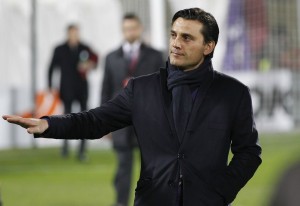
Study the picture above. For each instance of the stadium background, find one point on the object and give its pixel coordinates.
(259, 44)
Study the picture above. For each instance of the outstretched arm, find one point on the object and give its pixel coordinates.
(107, 85)
(93, 124)
(33, 126)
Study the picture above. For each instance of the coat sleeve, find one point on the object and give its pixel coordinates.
(95, 123)
(93, 57)
(159, 62)
(246, 153)
(107, 85)
(53, 64)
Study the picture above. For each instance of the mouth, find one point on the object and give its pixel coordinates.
(175, 53)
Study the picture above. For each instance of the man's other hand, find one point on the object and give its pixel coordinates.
(33, 126)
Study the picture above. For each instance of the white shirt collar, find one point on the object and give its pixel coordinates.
(134, 47)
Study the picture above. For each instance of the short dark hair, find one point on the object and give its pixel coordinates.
(210, 29)
(72, 26)
(131, 16)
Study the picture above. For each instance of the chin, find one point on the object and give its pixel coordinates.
(174, 61)
(178, 64)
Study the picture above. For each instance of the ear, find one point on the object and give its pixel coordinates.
(209, 47)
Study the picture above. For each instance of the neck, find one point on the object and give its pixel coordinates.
(195, 67)
(136, 42)
(73, 44)
(193, 78)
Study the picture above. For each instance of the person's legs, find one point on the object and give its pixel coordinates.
(82, 145)
(123, 175)
(65, 147)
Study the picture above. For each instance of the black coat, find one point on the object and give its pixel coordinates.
(116, 71)
(73, 84)
(221, 119)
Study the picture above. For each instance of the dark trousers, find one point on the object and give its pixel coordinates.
(67, 110)
(123, 175)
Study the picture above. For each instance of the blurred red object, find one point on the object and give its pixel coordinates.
(46, 103)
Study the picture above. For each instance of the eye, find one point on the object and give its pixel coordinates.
(187, 38)
(173, 35)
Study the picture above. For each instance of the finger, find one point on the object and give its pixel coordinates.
(5, 117)
(23, 122)
(29, 121)
(30, 130)
(13, 119)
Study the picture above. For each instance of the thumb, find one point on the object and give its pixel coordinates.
(34, 130)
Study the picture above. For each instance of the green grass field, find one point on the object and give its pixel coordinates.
(39, 177)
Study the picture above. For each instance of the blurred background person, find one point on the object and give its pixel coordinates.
(133, 58)
(74, 59)
(287, 191)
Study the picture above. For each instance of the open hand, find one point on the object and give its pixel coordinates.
(33, 126)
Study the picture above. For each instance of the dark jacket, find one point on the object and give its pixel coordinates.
(73, 84)
(221, 118)
(116, 71)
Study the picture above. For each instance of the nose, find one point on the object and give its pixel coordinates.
(176, 44)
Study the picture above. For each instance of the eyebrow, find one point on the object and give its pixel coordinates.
(182, 34)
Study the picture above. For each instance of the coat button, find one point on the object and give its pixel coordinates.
(171, 183)
(180, 156)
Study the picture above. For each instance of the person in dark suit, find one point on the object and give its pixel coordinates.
(287, 191)
(132, 59)
(74, 59)
(186, 117)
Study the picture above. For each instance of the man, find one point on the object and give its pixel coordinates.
(287, 190)
(132, 59)
(74, 59)
(186, 118)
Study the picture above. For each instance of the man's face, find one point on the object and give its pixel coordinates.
(187, 47)
(73, 35)
(132, 30)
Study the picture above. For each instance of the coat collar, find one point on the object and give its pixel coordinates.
(167, 100)
(196, 111)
